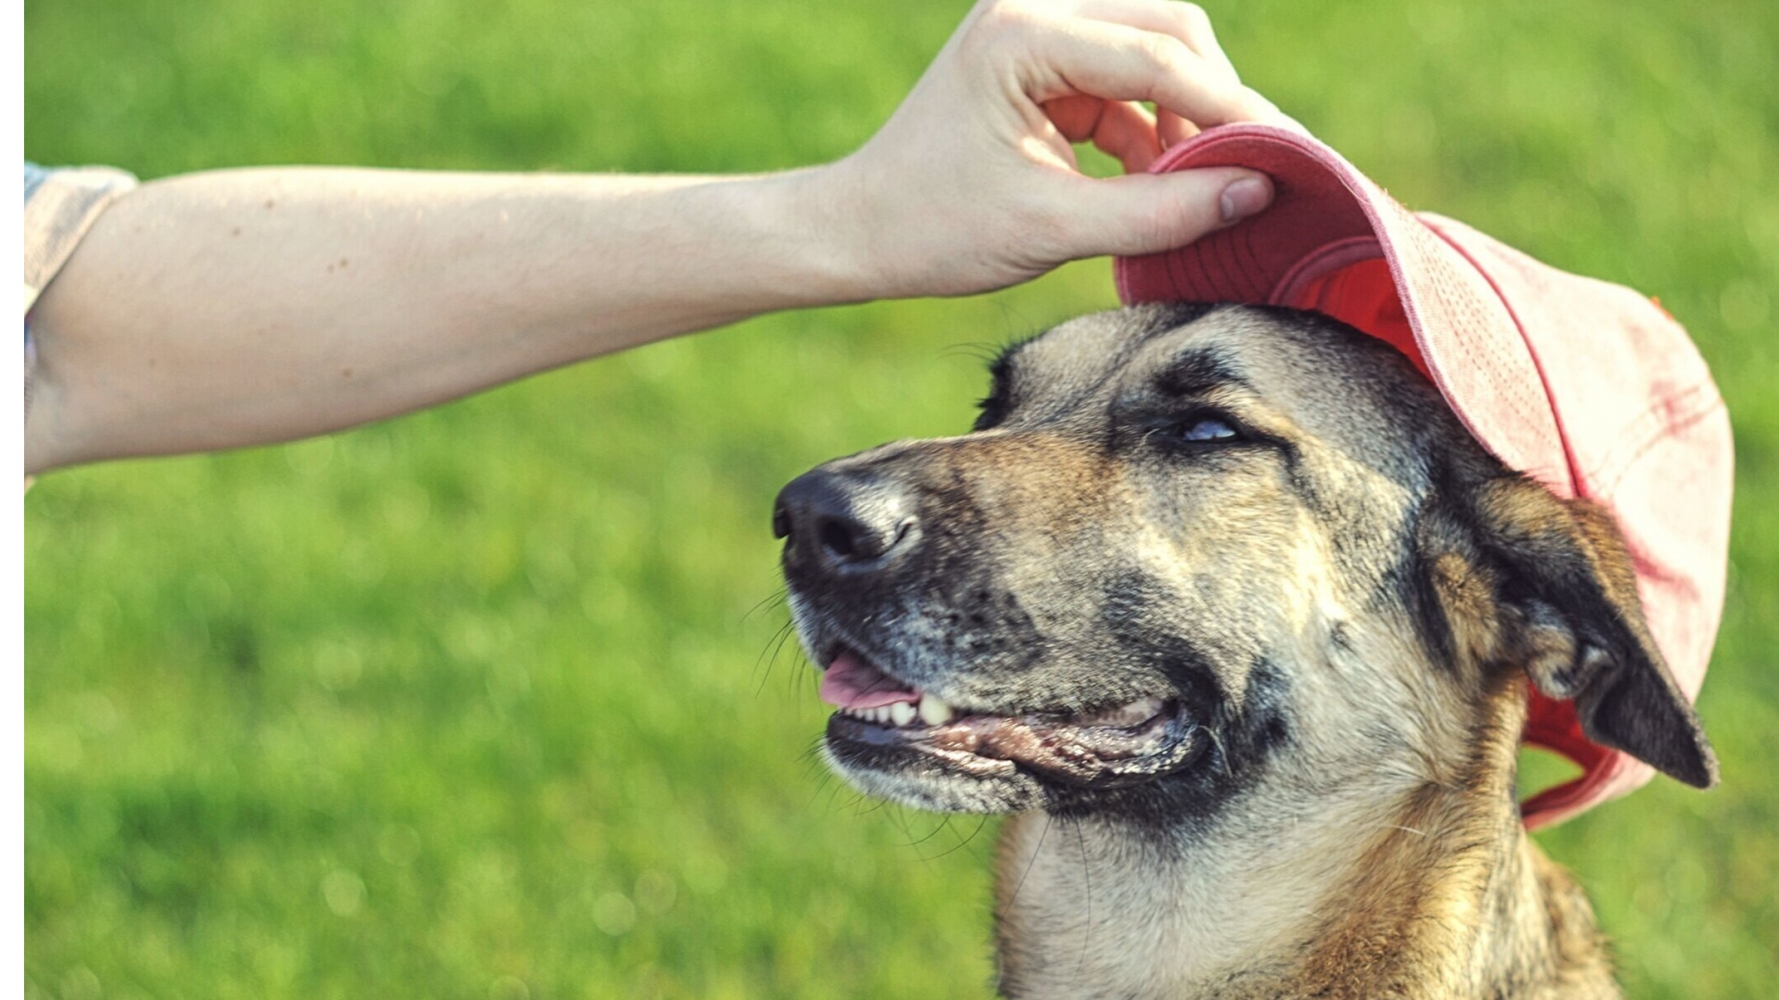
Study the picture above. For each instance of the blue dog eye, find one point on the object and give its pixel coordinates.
(1207, 429)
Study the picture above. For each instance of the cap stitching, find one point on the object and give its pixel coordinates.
(1669, 418)
(1213, 260)
(1537, 364)
(1323, 260)
(1242, 247)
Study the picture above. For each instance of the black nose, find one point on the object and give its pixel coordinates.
(841, 521)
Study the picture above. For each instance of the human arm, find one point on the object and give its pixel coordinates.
(237, 307)
(241, 307)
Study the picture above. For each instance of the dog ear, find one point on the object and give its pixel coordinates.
(1571, 616)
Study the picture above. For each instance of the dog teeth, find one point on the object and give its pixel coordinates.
(934, 712)
(929, 711)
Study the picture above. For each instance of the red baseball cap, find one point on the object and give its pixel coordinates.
(1588, 387)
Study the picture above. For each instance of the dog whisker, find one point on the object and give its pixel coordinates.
(775, 644)
(964, 842)
(1087, 883)
(1039, 849)
(773, 600)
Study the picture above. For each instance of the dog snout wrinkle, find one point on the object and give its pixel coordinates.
(839, 522)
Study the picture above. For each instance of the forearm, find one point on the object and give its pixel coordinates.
(242, 307)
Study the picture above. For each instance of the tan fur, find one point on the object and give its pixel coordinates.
(1358, 567)
(1456, 901)
(1446, 898)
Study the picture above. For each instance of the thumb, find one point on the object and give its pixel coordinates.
(1150, 213)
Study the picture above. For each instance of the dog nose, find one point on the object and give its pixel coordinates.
(832, 520)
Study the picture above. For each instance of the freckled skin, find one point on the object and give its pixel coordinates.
(1339, 601)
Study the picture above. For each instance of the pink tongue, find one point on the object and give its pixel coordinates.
(850, 682)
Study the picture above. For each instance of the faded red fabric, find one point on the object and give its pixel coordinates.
(1589, 387)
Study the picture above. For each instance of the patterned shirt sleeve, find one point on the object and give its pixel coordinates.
(60, 206)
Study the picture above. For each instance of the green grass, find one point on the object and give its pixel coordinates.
(475, 703)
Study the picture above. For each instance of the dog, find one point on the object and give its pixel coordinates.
(1234, 618)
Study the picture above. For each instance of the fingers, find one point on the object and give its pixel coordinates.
(1121, 63)
(1187, 22)
(1150, 213)
(1171, 129)
(1118, 128)
(973, 183)
(1162, 51)
(1075, 116)
(1127, 131)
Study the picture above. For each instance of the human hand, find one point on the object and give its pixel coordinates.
(973, 184)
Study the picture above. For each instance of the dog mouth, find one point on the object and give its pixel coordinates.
(884, 724)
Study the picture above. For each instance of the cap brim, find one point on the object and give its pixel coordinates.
(1326, 215)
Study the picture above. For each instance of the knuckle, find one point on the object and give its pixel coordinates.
(1184, 224)
(1006, 16)
(1147, 232)
(1163, 52)
(1049, 233)
(1193, 26)
(1193, 18)
(1000, 25)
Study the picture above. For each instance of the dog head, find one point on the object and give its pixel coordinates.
(1189, 550)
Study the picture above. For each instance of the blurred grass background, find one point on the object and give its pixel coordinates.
(476, 704)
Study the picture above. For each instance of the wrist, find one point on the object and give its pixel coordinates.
(828, 223)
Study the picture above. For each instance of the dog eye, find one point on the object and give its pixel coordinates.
(1207, 429)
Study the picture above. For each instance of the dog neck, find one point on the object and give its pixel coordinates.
(1435, 891)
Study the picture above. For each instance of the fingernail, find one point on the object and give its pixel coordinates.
(1245, 197)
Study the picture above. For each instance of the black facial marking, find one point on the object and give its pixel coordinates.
(1439, 526)
(1134, 614)
(1235, 757)
(1129, 599)
(1298, 478)
(1419, 592)
(999, 401)
(1196, 373)
(1151, 321)
(1240, 739)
